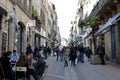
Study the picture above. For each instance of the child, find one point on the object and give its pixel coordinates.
(66, 60)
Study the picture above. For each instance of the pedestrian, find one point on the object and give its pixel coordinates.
(45, 52)
(88, 53)
(101, 53)
(82, 50)
(61, 52)
(36, 50)
(41, 52)
(49, 50)
(72, 56)
(57, 53)
(29, 50)
(78, 56)
(66, 60)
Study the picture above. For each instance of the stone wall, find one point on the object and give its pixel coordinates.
(118, 43)
(108, 45)
(20, 16)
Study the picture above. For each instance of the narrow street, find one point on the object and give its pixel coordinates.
(31, 30)
(82, 71)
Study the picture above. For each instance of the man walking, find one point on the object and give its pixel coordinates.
(101, 53)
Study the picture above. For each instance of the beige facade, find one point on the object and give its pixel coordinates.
(16, 30)
(48, 17)
(85, 8)
(108, 45)
(108, 28)
(22, 18)
(118, 42)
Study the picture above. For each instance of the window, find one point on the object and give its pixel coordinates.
(0, 20)
(4, 39)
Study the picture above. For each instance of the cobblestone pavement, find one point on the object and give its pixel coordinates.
(82, 71)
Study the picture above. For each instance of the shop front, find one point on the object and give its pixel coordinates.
(106, 36)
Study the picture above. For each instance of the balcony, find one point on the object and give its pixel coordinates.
(99, 6)
(35, 16)
(38, 23)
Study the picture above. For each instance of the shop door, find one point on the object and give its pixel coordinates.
(113, 46)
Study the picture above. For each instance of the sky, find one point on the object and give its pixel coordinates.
(66, 11)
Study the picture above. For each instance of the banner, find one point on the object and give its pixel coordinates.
(31, 23)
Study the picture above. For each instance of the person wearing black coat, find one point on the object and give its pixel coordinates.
(88, 53)
(37, 68)
(82, 51)
(101, 52)
(29, 50)
(72, 55)
(7, 67)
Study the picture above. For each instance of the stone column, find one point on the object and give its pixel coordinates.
(25, 40)
(11, 33)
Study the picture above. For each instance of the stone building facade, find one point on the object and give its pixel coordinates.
(107, 31)
(21, 25)
(48, 23)
(85, 8)
(13, 24)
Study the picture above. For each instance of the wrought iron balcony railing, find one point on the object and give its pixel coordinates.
(99, 6)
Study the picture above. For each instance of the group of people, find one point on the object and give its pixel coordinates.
(35, 67)
(7, 61)
(44, 51)
(77, 52)
(72, 53)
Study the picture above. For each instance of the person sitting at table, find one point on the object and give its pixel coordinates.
(22, 62)
(14, 57)
(7, 67)
(37, 69)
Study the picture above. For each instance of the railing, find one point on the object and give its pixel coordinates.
(98, 7)
(38, 24)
